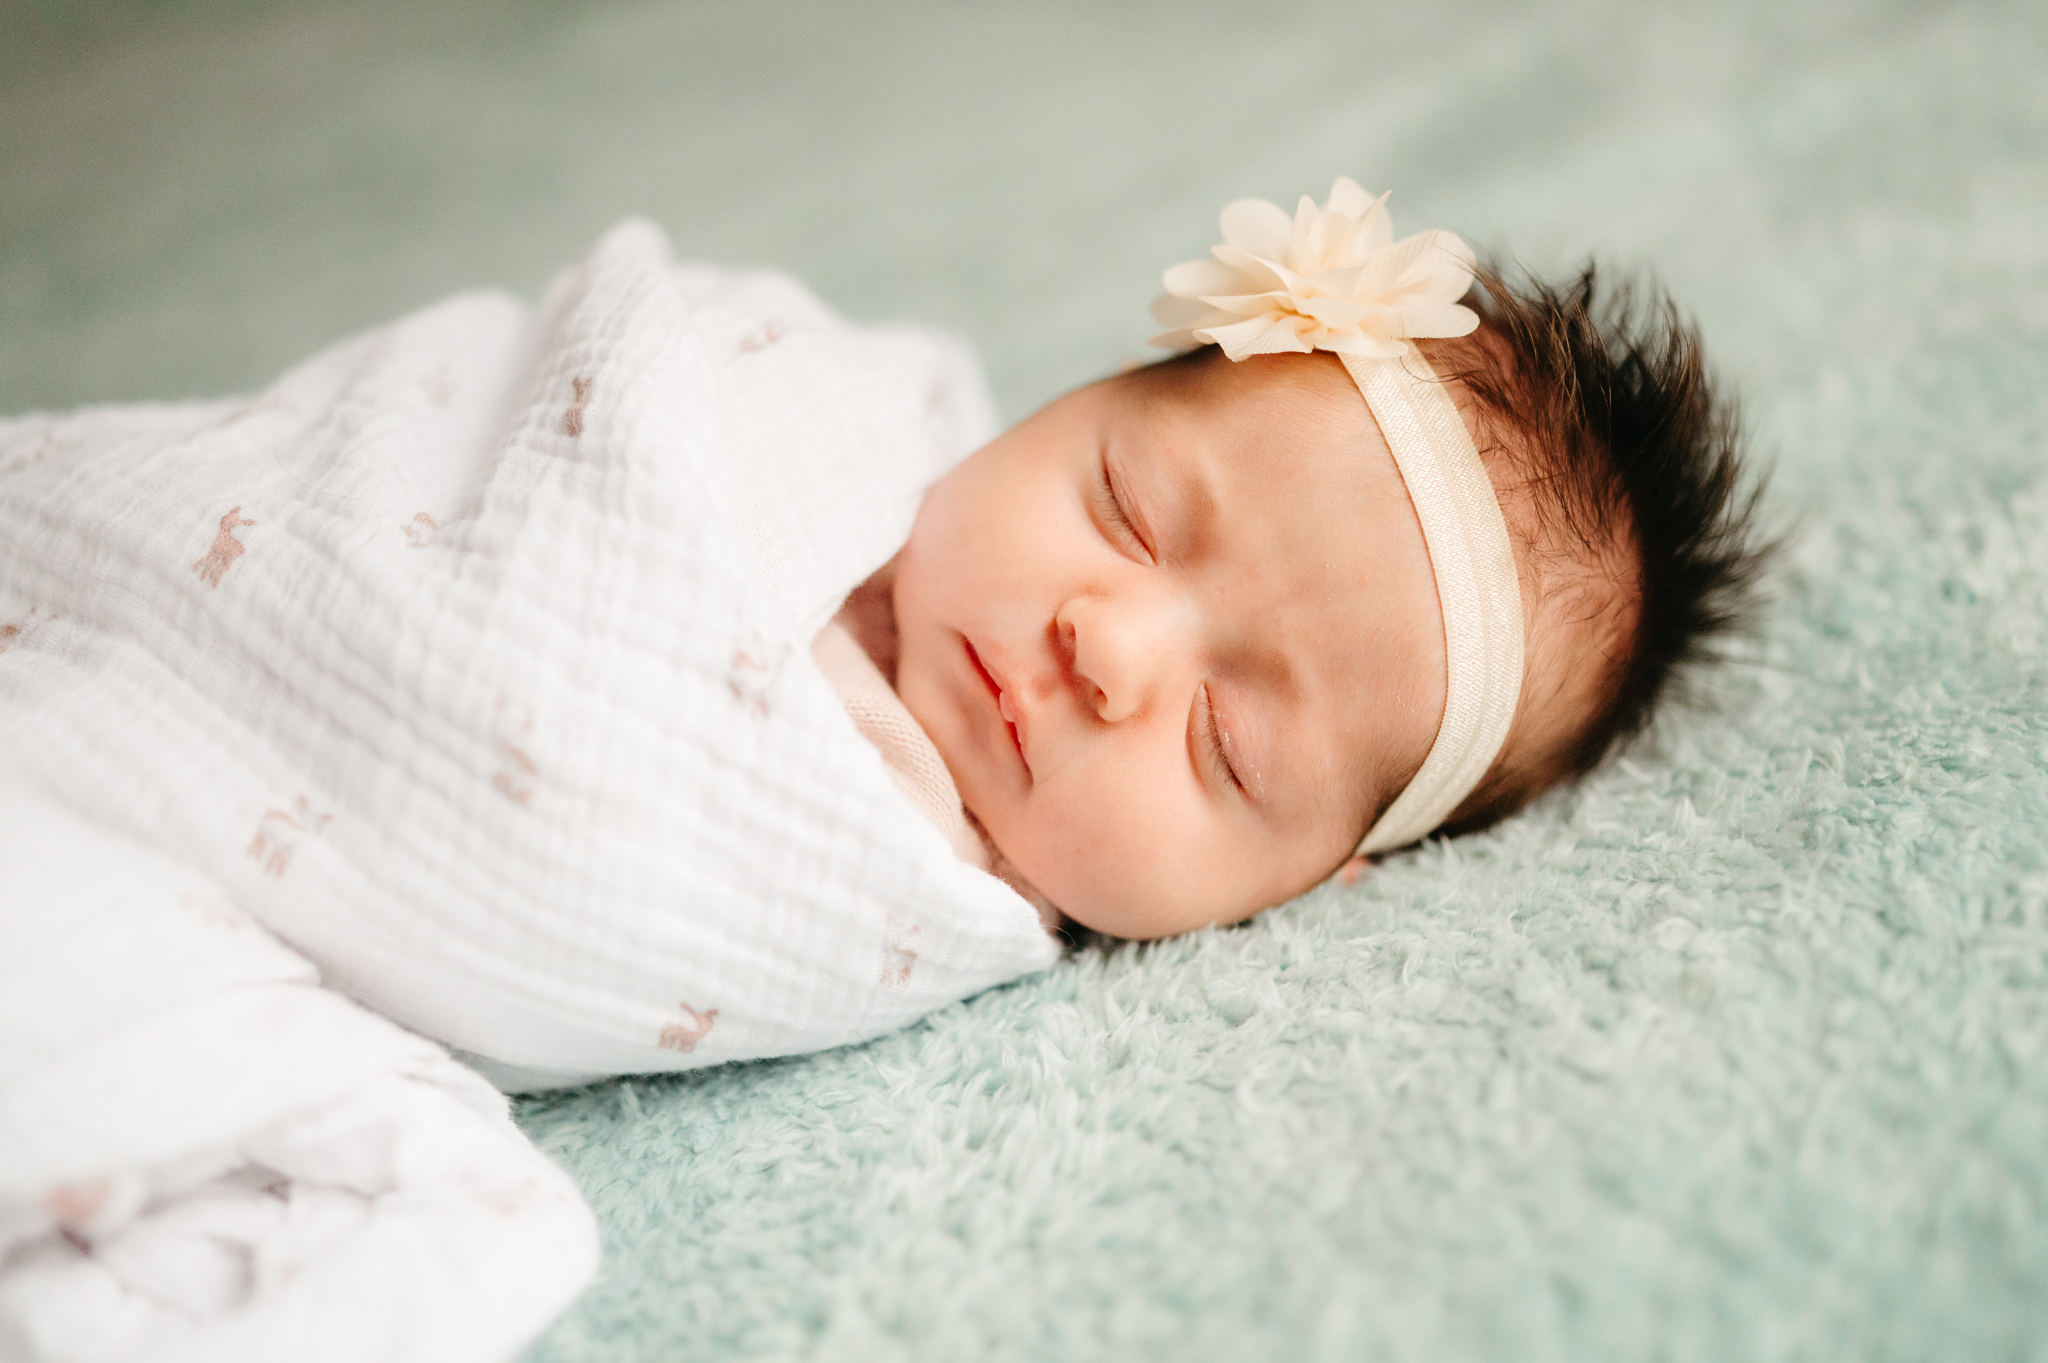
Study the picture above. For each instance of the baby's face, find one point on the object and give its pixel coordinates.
(1177, 638)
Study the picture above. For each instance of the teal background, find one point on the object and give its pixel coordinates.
(1737, 1051)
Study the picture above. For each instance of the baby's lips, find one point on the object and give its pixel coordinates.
(1014, 715)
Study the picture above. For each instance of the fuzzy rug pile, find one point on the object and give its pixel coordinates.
(1737, 1051)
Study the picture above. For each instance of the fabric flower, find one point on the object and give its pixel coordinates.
(1333, 278)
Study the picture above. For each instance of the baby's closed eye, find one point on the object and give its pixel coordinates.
(1216, 743)
(1112, 507)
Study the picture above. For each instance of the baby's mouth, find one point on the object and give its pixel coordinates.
(1012, 717)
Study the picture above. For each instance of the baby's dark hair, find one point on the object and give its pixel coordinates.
(1600, 399)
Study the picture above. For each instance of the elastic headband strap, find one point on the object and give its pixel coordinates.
(1476, 586)
(1333, 278)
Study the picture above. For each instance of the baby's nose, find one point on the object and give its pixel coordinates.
(1117, 651)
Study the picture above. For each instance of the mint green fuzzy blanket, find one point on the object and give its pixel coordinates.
(1737, 1051)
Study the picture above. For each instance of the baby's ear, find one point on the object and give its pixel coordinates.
(1353, 871)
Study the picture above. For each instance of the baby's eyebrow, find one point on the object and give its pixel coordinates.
(1196, 501)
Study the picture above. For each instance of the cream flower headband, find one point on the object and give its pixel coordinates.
(1335, 279)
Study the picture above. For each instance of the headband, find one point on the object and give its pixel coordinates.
(1335, 279)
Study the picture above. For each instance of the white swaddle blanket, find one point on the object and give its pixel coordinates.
(204, 1156)
(470, 660)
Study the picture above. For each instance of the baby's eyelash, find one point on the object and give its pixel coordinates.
(1219, 745)
(1112, 508)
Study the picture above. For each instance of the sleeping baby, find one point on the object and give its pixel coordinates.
(676, 673)
(1387, 550)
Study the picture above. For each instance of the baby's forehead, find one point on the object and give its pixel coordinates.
(1283, 448)
(1208, 381)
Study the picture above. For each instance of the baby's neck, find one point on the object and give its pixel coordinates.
(870, 616)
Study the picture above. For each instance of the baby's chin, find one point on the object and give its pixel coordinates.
(1066, 897)
(1124, 893)
(1007, 871)
(1052, 893)
(1108, 903)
